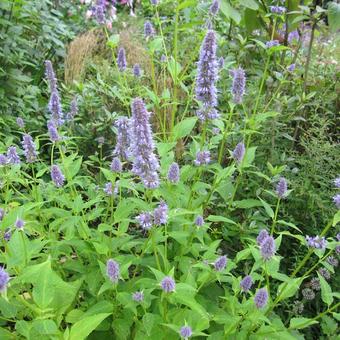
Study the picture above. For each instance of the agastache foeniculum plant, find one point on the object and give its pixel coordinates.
(168, 169)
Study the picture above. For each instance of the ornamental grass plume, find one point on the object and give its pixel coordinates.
(173, 173)
(168, 284)
(30, 149)
(112, 270)
(57, 176)
(238, 85)
(123, 142)
(261, 298)
(121, 59)
(206, 92)
(145, 162)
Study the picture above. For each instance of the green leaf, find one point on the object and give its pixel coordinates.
(249, 203)
(336, 218)
(267, 208)
(299, 323)
(183, 128)
(230, 12)
(290, 289)
(326, 291)
(216, 218)
(334, 16)
(84, 327)
(252, 4)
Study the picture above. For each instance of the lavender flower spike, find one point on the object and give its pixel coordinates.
(316, 242)
(145, 220)
(145, 162)
(239, 84)
(73, 109)
(281, 188)
(12, 156)
(239, 152)
(214, 8)
(99, 12)
(29, 148)
(173, 173)
(168, 284)
(268, 248)
(4, 279)
(3, 159)
(50, 75)
(336, 200)
(185, 332)
(261, 298)
(263, 234)
(136, 71)
(246, 283)
(20, 122)
(108, 189)
(19, 224)
(278, 9)
(199, 221)
(202, 158)
(121, 59)
(337, 182)
(206, 92)
(116, 165)
(149, 31)
(220, 263)
(57, 176)
(112, 270)
(138, 296)
(53, 132)
(160, 214)
(122, 148)
(55, 109)
(272, 43)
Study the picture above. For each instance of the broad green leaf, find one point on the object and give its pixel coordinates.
(250, 4)
(326, 291)
(183, 128)
(267, 208)
(215, 218)
(299, 323)
(334, 16)
(249, 203)
(290, 289)
(230, 12)
(84, 327)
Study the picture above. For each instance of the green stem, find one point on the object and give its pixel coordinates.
(272, 230)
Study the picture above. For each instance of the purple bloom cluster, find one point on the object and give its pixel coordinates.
(145, 220)
(168, 284)
(3, 159)
(20, 122)
(316, 242)
(50, 75)
(267, 247)
(202, 158)
(154, 2)
(173, 173)
(336, 200)
(136, 70)
(220, 63)
(19, 224)
(4, 278)
(278, 9)
(29, 147)
(185, 332)
(246, 283)
(112, 270)
(145, 162)
(138, 296)
(53, 131)
(215, 7)
(281, 188)
(122, 148)
(12, 156)
(160, 214)
(337, 182)
(272, 43)
(263, 234)
(206, 92)
(291, 68)
(325, 273)
(238, 85)
(199, 221)
(308, 294)
(149, 31)
(121, 59)
(315, 283)
(261, 298)
(108, 189)
(2, 214)
(332, 261)
(99, 10)
(220, 263)
(73, 109)
(7, 234)
(57, 176)
(116, 165)
(239, 152)
(293, 35)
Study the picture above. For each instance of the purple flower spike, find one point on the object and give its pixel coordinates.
(138, 296)
(294, 35)
(272, 43)
(55, 109)
(220, 263)
(145, 220)
(20, 122)
(4, 279)
(246, 283)
(136, 71)
(53, 131)
(268, 248)
(73, 109)
(336, 200)
(145, 162)
(2, 214)
(239, 84)
(168, 284)
(316, 242)
(7, 234)
(123, 138)
(116, 165)
(337, 182)
(50, 75)
(112, 270)
(281, 188)
(291, 68)
(206, 92)
(57, 176)
(202, 158)
(160, 214)
(261, 298)
(99, 12)
(154, 2)
(12, 156)
(108, 189)
(263, 234)
(215, 7)
(19, 224)
(185, 332)
(121, 59)
(3, 159)
(278, 9)
(149, 31)
(173, 173)
(239, 152)
(199, 221)
(29, 147)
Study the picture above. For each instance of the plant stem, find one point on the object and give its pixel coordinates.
(272, 230)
